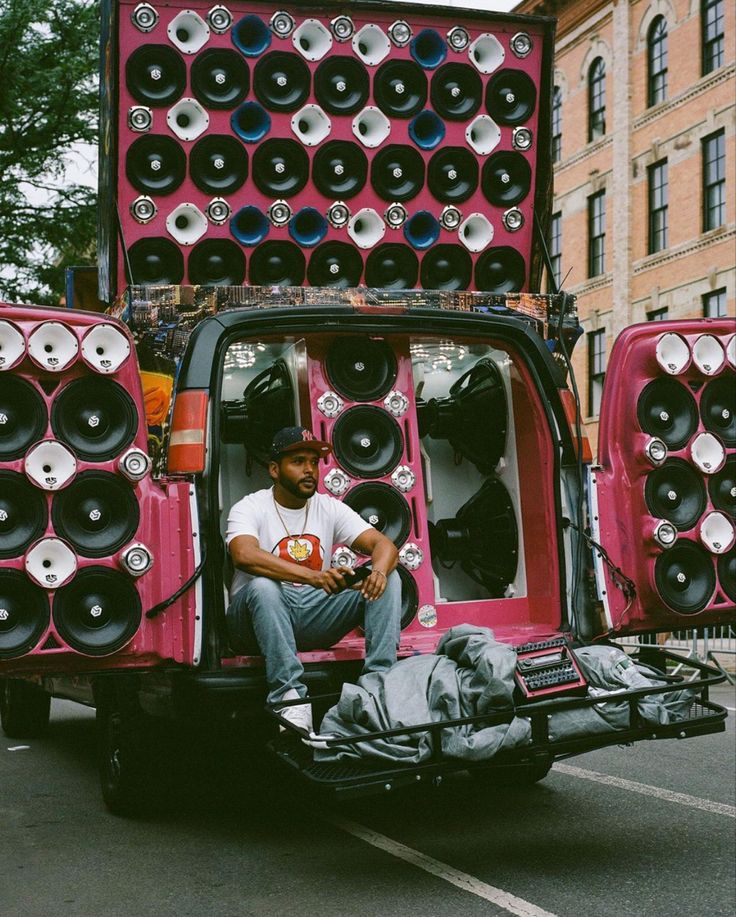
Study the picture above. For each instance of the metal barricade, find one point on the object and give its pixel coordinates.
(716, 645)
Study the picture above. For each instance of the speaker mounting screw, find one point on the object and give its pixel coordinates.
(411, 556)
(342, 28)
(513, 219)
(144, 17)
(395, 216)
(403, 478)
(218, 211)
(338, 215)
(458, 38)
(140, 119)
(450, 218)
(521, 138)
(330, 403)
(400, 33)
(281, 24)
(337, 482)
(219, 19)
(396, 403)
(279, 213)
(143, 209)
(521, 44)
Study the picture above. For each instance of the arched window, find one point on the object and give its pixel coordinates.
(657, 61)
(556, 124)
(596, 99)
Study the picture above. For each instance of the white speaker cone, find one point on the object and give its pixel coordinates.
(188, 31)
(12, 346)
(487, 53)
(366, 228)
(731, 350)
(105, 348)
(312, 40)
(371, 126)
(371, 44)
(50, 465)
(708, 453)
(187, 224)
(483, 135)
(708, 354)
(53, 346)
(187, 119)
(475, 232)
(311, 125)
(717, 533)
(673, 354)
(50, 563)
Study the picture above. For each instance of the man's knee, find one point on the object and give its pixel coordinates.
(262, 594)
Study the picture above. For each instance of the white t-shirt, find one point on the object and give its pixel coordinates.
(328, 522)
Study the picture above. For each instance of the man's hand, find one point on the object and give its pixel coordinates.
(373, 586)
(331, 580)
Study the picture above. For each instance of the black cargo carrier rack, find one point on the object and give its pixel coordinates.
(346, 779)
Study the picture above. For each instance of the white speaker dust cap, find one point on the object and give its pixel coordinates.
(105, 348)
(708, 453)
(188, 31)
(50, 563)
(12, 346)
(53, 346)
(717, 533)
(50, 465)
(708, 354)
(187, 224)
(673, 354)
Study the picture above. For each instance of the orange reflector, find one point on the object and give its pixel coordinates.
(187, 442)
(568, 403)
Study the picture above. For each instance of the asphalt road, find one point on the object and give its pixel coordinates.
(648, 830)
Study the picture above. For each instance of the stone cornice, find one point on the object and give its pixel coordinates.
(589, 149)
(705, 83)
(714, 237)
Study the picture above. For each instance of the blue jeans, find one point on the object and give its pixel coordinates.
(287, 618)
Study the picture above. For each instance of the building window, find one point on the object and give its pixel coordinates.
(658, 315)
(596, 99)
(712, 31)
(714, 181)
(657, 206)
(657, 61)
(714, 304)
(596, 370)
(596, 234)
(555, 248)
(556, 124)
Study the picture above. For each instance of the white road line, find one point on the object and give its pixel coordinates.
(730, 709)
(695, 802)
(462, 880)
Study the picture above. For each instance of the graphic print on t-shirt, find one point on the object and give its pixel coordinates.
(304, 550)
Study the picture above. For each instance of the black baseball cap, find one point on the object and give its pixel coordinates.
(291, 439)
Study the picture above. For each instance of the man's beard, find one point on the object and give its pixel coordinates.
(295, 488)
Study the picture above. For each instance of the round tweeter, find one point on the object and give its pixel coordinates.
(156, 261)
(217, 262)
(97, 514)
(453, 175)
(281, 81)
(335, 264)
(155, 165)
(220, 78)
(383, 507)
(341, 85)
(718, 408)
(500, 270)
(23, 514)
(96, 417)
(155, 75)
(400, 88)
(280, 167)
(218, 164)
(24, 614)
(457, 92)
(722, 487)
(339, 169)
(685, 578)
(98, 612)
(361, 368)
(367, 442)
(23, 414)
(277, 264)
(510, 97)
(666, 409)
(507, 178)
(676, 492)
(397, 173)
(392, 267)
(446, 267)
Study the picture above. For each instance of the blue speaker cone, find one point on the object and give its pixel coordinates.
(251, 122)
(422, 229)
(427, 130)
(251, 35)
(308, 227)
(428, 49)
(249, 225)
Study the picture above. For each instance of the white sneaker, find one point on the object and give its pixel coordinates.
(299, 715)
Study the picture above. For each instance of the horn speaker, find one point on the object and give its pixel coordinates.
(24, 614)
(53, 346)
(105, 349)
(12, 346)
(50, 465)
(50, 563)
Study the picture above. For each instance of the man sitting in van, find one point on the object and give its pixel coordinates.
(281, 541)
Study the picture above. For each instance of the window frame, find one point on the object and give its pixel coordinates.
(597, 234)
(556, 124)
(659, 315)
(714, 190)
(658, 206)
(657, 70)
(712, 35)
(596, 370)
(555, 247)
(720, 298)
(597, 100)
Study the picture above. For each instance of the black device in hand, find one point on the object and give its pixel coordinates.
(358, 575)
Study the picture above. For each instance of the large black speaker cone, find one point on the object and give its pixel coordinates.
(507, 178)
(718, 408)
(335, 264)
(25, 614)
(676, 492)
(500, 270)
(483, 538)
(727, 573)
(361, 368)
(367, 441)
(457, 91)
(155, 165)
(722, 487)
(667, 409)
(453, 175)
(155, 75)
(409, 596)
(400, 88)
(510, 97)
(341, 85)
(384, 508)
(392, 267)
(280, 167)
(24, 414)
(277, 264)
(98, 612)
(281, 81)
(446, 267)
(156, 262)
(339, 169)
(218, 164)
(23, 513)
(685, 578)
(397, 173)
(97, 514)
(220, 78)
(217, 262)
(96, 417)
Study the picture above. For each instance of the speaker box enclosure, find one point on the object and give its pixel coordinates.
(421, 79)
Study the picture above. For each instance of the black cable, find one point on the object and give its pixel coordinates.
(162, 606)
(128, 268)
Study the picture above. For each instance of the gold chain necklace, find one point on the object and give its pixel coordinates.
(306, 516)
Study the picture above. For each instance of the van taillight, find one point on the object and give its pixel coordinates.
(187, 442)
